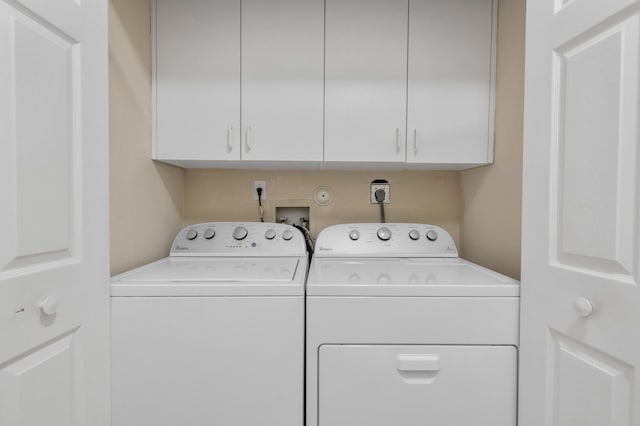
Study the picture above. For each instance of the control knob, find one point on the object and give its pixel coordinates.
(287, 235)
(240, 233)
(209, 233)
(192, 234)
(270, 234)
(384, 233)
(354, 234)
(414, 234)
(432, 235)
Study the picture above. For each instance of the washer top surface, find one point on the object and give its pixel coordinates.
(224, 259)
(415, 260)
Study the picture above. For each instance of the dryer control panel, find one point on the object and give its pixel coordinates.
(239, 239)
(385, 240)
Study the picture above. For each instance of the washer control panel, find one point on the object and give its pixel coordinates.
(385, 240)
(239, 239)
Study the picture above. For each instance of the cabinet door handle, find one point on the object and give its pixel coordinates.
(398, 147)
(248, 139)
(415, 141)
(230, 139)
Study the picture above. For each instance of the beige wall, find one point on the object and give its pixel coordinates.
(228, 195)
(146, 197)
(492, 195)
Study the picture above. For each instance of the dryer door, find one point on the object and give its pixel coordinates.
(417, 385)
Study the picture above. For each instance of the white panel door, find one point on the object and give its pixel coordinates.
(282, 80)
(197, 80)
(53, 215)
(450, 91)
(580, 335)
(366, 80)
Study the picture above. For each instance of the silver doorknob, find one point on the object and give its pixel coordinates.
(49, 305)
(583, 306)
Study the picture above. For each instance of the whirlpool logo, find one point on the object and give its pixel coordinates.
(324, 248)
(181, 248)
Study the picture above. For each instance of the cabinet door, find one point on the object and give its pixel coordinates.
(197, 80)
(450, 90)
(282, 80)
(366, 80)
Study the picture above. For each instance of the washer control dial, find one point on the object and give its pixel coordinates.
(209, 233)
(270, 234)
(240, 233)
(414, 234)
(354, 234)
(432, 235)
(287, 235)
(192, 234)
(384, 233)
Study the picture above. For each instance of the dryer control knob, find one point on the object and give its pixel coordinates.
(384, 233)
(432, 235)
(192, 234)
(354, 234)
(240, 233)
(287, 235)
(270, 234)
(209, 233)
(414, 234)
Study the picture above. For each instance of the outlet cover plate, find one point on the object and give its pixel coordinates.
(259, 184)
(384, 186)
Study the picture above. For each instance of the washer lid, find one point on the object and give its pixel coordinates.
(443, 277)
(214, 276)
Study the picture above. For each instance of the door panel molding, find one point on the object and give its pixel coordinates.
(43, 161)
(574, 365)
(593, 149)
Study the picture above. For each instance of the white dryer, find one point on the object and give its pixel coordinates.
(214, 333)
(401, 331)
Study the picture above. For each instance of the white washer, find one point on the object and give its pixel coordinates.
(214, 333)
(401, 331)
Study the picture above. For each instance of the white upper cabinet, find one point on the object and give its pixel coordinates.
(197, 80)
(282, 80)
(397, 84)
(239, 82)
(450, 93)
(409, 83)
(365, 81)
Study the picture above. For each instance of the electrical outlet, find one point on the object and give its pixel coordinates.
(384, 186)
(259, 184)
